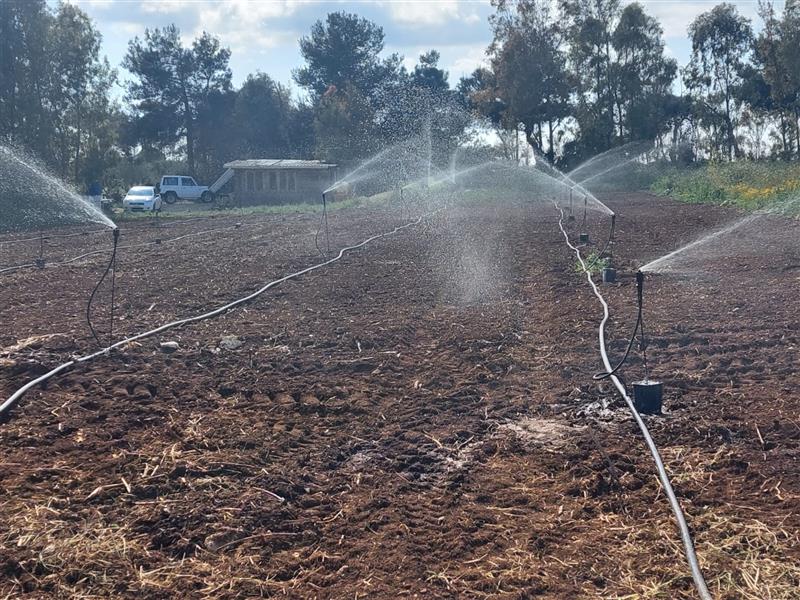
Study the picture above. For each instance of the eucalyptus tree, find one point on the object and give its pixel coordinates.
(789, 57)
(721, 44)
(767, 86)
(79, 89)
(642, 75)
(55, 88)
(529, 66)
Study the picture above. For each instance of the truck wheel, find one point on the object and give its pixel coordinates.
(207, 197)
(170, 197)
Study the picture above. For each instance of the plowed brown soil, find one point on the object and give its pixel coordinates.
(417, 420)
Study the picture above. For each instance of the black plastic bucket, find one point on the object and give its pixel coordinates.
(609, 275)
(583, 238)
(647, 396)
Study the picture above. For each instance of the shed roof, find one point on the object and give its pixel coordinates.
(278, 163)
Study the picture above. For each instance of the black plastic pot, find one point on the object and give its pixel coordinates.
(647, 396)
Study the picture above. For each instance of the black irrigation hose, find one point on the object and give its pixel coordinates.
(12, 400)
(606, 374)
(111, 265)
(686, 536)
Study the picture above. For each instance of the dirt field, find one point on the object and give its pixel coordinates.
(417, 420)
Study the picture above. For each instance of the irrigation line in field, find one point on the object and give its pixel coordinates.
(686, 536)
(170, 222)
(139, 245)
(12, 400)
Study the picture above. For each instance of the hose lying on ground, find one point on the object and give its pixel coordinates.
(12, 400)
(686, 536)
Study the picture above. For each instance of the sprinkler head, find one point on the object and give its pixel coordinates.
(39, 263)
(115, 233)
(583, 238)
(158, 241)
(238, 225)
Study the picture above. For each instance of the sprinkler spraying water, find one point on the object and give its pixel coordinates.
(31, 198)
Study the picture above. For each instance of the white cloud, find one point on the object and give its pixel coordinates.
(163, 6)
(457, 59)
(431, 12)
(127, 29)
(471, 57)
(243, 25)
(675, 17)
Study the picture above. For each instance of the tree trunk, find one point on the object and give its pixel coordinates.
(797, 128)
(530, 135)
(551, 151)
(188, 123)
(78, 147)
(732, 143)
(783, 135)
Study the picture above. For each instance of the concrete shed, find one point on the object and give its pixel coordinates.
(280, 180)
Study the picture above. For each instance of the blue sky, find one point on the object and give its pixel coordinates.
(263, 34)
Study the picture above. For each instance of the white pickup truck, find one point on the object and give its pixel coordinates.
(175, 187)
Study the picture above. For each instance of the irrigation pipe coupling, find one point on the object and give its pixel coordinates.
(686, 536)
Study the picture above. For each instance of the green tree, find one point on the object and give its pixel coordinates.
(171, 84)
(789, 64)
(589, 30)
(341, 51)
(24, 71)
(263, 117)
(643, 75)
(79, 91)
(428, 75)
(721, 43)
(338, 126)
(55, 89)
(530, 74)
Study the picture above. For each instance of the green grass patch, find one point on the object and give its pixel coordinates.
(594, 264)
(748, 185)
(211, 210)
